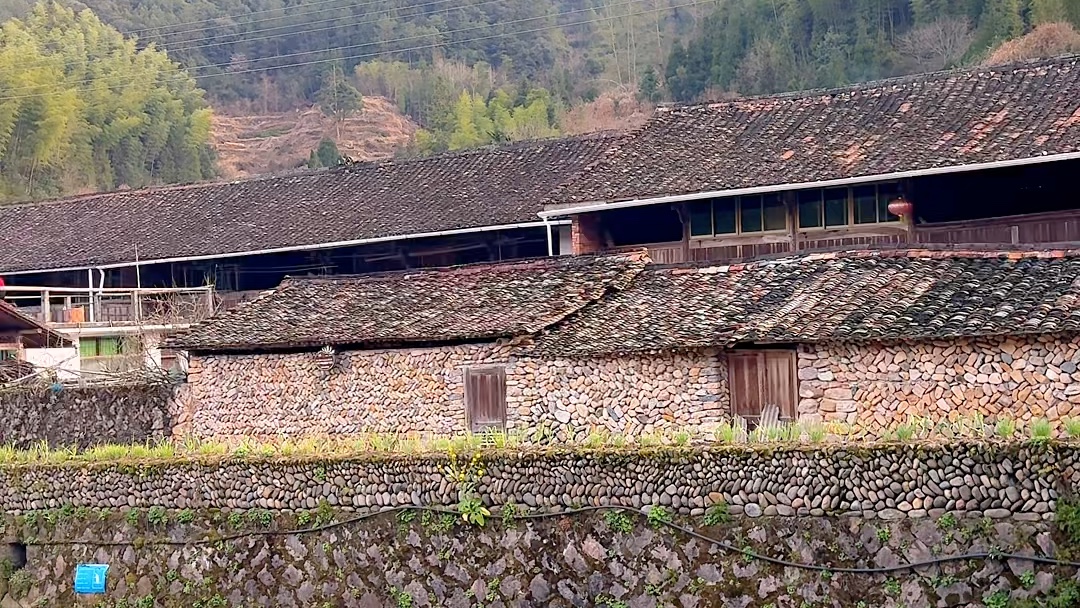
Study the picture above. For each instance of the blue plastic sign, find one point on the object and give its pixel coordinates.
(90, 578)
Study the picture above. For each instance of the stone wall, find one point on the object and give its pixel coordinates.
(72, 416)
(312, 533)
(391, 561)
(888, 481)
(884, 385)
(422, 391)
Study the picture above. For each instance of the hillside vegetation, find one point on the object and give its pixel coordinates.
(89, 100)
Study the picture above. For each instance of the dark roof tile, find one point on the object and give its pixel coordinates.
(487, 187)
(919, 122)
(474, 302)
(872, 295)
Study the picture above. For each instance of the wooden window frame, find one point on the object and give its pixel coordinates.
(850, 209)
(761, 357)
(713, 234)
(499, 373)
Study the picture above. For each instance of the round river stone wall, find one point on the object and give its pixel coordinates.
(886, 481)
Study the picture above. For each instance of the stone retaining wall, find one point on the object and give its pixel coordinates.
(885, 482)
(880, 386)
(82, 417)
(561, 562)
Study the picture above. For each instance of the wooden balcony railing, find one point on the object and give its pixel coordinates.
(84, 306)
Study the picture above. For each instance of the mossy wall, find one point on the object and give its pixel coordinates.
(591, 559)
(583, 529)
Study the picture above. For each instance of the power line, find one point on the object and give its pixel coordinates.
(432, 45)
(170, 49)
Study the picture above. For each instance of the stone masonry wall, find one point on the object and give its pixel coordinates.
(72, 416)
(422, 391)
(268, 532)
(886, 481)
(883, 385)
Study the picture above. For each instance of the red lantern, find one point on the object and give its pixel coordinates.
(901, 207)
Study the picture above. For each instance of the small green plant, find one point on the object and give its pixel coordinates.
(510, 513)
(883, 534)
(324, 513)
(696, 585)
(236, 520)
(401, 598)
(185, 516)
(905, 432)
(473, 511)
(406, 517)
(132, 517)
(1041, 430)
(658, 516)
(261, 518)
(319, 473)
(444, 523)
(724, 432)
(947, 522)
(1072, 427)
(816, 432)
(303, 518)
(997, 599)
(618, 522)
(826, 575)
(1005, 428)
(172, 575)
(681, 438)
(1027, 579)
(607, 601)
(717, 514)
(892, 586)
(157, 517)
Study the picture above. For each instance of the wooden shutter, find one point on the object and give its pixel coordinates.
(759, 378)
(780, 384)
(485, 398)
(745, 378)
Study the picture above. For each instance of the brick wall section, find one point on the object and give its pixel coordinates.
(586, 234)
(883, 385)
(421, 391)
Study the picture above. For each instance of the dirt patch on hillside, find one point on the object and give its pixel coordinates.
(256, 144)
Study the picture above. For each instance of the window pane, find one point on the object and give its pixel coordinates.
(775, 213)
(751, 213)
(810, 209)
(701, 219)
(836, 207)
(724, 216)
(108, 347)
(87, 347)
(866, 205)
(887, 193)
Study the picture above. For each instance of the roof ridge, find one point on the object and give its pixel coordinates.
(488, 266)
(880, 252)
(919, 77)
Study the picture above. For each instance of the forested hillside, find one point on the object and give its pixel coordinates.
(82, 109)
(763, 46)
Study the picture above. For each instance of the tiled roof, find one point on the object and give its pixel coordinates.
(920, 122)
(868, 295)
(487, 187)
(474, 302)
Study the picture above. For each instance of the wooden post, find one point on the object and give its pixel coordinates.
(46, 307)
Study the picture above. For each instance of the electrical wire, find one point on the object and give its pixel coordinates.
(980, 555)
(184, 45)
(120, 79)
